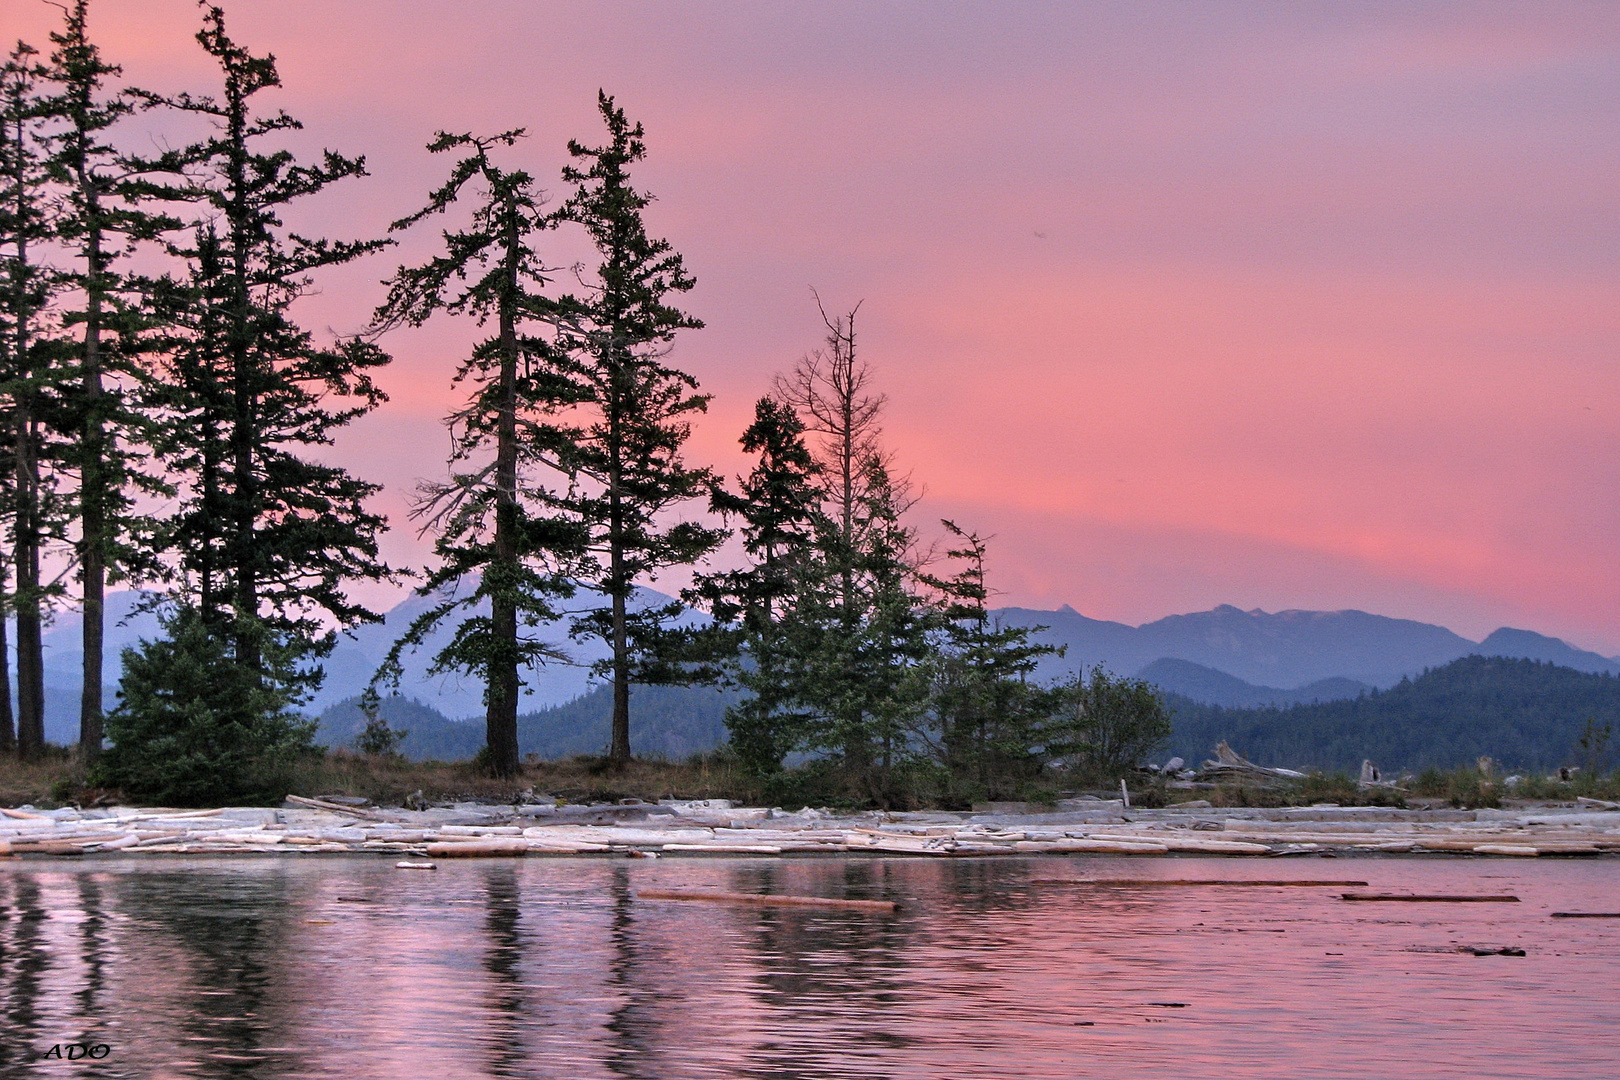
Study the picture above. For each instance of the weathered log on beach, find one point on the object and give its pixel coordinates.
(333, 808)
(48, 847)
(895, 844)
(546, 847)
(118, 843)
(885, 906)
(1586, 914)
(1189, 843)
(1083, 845)
(471, 849)
(726, 849)
(1430, 898)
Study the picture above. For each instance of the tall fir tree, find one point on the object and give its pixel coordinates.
(867, 679)
(14, 92)
(630, 415)
(778, 508)
(986, 712)
(103, 214)
(29, 359)
(271, 534)
(493, 520)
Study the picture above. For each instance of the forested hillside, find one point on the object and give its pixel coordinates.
(1524, 714)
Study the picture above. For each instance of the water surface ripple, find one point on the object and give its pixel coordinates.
(998, 967)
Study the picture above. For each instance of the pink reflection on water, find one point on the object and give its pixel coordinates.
(993, 968)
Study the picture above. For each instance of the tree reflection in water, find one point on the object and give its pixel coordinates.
(222, 990)
(503, 961)
(24, 962)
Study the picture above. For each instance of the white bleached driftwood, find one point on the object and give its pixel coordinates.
(312, 827)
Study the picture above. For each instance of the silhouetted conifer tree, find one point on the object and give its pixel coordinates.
(270, 534)
(492, 519)
(756, 629)
(629, 416)
(28, 362)
(102, 215)
(985, 714)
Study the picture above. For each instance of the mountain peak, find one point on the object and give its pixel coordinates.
(1508, 641)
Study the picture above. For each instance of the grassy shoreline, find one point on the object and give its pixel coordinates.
(58, 779)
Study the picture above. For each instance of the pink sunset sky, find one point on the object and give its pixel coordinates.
(1284, 305)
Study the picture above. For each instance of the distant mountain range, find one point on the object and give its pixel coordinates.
(1293, 649)
(671, 722)
(1225, 657)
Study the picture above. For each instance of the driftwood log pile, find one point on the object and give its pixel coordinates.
(715, 827)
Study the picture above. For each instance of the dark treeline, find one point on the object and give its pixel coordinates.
(165, 413)
(1524, 714)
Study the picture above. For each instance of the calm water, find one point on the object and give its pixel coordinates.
(995, 968)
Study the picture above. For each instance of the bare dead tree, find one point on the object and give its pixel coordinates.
(831, 390)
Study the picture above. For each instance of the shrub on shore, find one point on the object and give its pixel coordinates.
(198, 727)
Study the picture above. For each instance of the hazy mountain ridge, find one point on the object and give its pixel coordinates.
(1288, 649)
(670, 722)
(1211, 687)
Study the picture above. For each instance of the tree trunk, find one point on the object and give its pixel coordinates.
(619, 748)
(8, 721)
(241, 555)
(93, 499)
(30, 659)
(208, 599)
(25, 522)
(245, 513)
(500, 718)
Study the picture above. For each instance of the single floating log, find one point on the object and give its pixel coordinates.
(1431, 898)
(887, 906)
(1586, 914)
(1177, 882)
